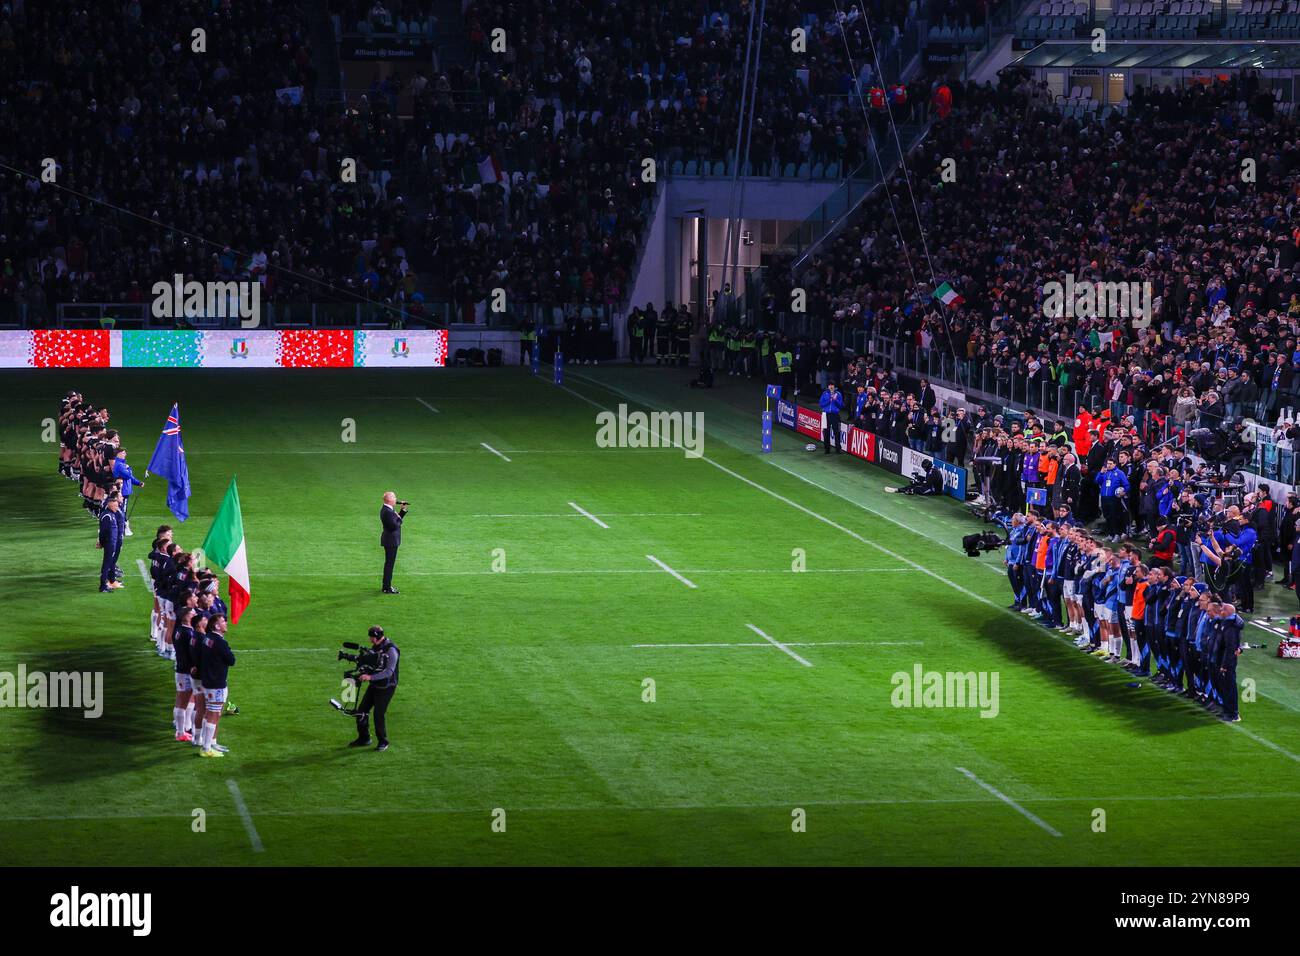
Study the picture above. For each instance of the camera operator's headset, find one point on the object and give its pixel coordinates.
(375, 631)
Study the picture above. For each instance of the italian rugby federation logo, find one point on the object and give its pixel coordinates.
(239, 348)
(401, 349)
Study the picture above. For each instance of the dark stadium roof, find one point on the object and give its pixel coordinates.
(1142, 56)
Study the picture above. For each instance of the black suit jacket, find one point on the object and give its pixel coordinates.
(392, 522)
(1068, 485)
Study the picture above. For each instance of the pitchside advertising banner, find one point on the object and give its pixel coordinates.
(193, 348)
(860, 443)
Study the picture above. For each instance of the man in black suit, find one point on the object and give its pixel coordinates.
(927, 395)
(391, 538)
(1068, 483)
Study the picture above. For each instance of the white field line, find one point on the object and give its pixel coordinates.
(87, 575)
(893, 554)
(830, 491)
(114, 652)
(599, 514)
(689, 584)
(779, 646)
(1009, 802)
(624, 808)
(880, 514)
(144, 573)
(242, 808)
(427, 405)
(797, 644)
(363, 450)
(494, 451)
(587, 514)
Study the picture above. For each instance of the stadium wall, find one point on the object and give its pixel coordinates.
(195, 348)
(651, 284)
(860, 443)
(764, 198)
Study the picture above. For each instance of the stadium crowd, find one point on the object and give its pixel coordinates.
(528, 161)
(1224, 340)
(155, 173)
(1153, 195)
(556, 128)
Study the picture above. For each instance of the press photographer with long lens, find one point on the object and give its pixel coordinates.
(928, 482)
(377, 668)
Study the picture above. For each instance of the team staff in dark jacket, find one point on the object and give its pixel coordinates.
(215, 662)
(1295, 565)
(110, 542)
(957, 433)
(391, 537)
(1228, 627)
(380, 688)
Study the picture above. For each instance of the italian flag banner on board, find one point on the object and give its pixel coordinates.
(948, 296)
(224, 546)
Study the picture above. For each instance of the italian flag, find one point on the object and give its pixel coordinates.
(948, 295)
(224, 546)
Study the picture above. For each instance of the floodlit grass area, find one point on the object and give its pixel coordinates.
(526, 689)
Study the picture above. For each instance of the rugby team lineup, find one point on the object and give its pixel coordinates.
(556, 433)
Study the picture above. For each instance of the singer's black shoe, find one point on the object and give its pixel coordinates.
(360, 742)
(391, 591)
(383, 745)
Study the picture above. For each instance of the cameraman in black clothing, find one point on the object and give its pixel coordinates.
(928, 482)
(382, 685)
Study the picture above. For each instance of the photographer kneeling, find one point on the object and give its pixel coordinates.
(928, 481)
(381, 685)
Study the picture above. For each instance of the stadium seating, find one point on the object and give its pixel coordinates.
(1053, 20)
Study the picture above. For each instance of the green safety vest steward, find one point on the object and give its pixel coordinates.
(766, 348)
(747, 343)
(733, 344)
(716, 337)
(784, 361)
(528, 335)
(638, 330)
